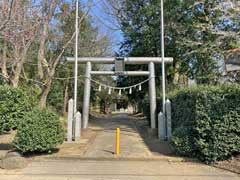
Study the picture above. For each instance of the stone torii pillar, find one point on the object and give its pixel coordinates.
(87, 92)
(152, 94)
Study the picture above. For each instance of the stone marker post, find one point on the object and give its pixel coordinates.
(161, 126)
(169, 119)
(78, 125)
(70, 121)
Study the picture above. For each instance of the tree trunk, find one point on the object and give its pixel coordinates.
(185, 80)
(20, 58)
(4, 65)
(65, 100)
(41, 51)
(176, 74)
(47, 87)
(45, 91)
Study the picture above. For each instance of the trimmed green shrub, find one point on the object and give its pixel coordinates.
(206, 121)
(40, 131)
(14, 103)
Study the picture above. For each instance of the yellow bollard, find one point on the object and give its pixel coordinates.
(117, 147)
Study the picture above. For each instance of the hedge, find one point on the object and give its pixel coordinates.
(206, 121)
(40, 131)
(14, 103)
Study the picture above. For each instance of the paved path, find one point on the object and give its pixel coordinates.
(132, 144)
(95, 164)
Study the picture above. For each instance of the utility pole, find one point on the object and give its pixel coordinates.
(76, 60)
(163, 60)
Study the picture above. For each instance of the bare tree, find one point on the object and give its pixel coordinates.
(47, 66)
(27, 23)
(48, 10)
(18, 32)
(6, 11)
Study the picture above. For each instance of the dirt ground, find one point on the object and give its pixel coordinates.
(5, 143)
(230, 165)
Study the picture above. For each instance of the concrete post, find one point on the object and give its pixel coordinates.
(152, 94)
(86, 98)
(161, 126)
(70, 120)
(169, 119)
(76, 59)
(78, 126)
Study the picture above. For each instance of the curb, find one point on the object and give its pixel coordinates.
(74, 158)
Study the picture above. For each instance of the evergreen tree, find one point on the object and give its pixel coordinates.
(196, 34)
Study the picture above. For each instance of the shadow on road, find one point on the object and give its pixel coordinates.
(131, 126)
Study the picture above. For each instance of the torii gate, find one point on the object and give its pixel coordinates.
(151, 61)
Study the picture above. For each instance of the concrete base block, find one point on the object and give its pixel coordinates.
(152, 132)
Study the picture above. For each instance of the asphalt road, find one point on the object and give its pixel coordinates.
(119, 170)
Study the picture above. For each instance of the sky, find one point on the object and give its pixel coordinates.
(106, 23)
